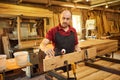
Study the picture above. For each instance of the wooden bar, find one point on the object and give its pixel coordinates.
(91, 52)
(58, 61)
(102, 46)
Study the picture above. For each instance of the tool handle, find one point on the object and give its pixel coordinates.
(73, 67)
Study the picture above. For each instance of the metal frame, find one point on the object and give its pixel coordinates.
(108, 69)
(109, 59)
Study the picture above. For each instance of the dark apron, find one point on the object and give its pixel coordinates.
(64, 42)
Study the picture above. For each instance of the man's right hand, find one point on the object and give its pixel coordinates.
(49, 52)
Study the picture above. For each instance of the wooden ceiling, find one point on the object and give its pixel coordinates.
(113, 4)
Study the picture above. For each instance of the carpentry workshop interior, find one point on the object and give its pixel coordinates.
(26, 25)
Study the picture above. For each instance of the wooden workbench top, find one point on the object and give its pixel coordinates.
(12, 65)
(94, 42)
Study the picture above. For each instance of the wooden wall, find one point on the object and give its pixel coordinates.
(52, 12)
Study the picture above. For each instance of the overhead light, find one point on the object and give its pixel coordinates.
(87, 0)
(106, 6)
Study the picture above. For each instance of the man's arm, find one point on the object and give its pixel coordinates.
(77, 48)
(47, 50)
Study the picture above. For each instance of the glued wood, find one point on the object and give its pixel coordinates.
(58, 61)
(91, 52)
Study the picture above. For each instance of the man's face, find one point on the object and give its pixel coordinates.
(65, 19)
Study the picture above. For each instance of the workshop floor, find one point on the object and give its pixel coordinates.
(42, 77)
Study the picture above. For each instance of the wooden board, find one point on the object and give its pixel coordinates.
(92, 52)
(88, 73)
(58, 61)
(113, 77)
(81, 72)
(6, 45)
(100, 75)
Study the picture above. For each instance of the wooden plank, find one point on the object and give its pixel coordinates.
(104, 63)
(100, 75)
(58, 61)
(105, 45)
(6, 45)
(1, 77)
(108, 50)
(116, 66)
(91, 52)
(82, 72)
(79, 68)
(113, 77)
(90, 43)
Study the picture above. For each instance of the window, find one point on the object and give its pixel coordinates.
(77, 24)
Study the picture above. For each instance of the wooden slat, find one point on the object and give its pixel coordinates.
(82, 72)
(58, 61)
(113, 77)
(100, 75)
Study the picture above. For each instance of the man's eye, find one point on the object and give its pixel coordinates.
(67, 18)
(63, 18)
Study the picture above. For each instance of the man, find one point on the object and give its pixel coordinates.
(63, 37)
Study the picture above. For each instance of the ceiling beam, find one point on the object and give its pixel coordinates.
(59, 3)
(101, 4)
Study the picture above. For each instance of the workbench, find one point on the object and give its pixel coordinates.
(103, 46)
(11, 65)
(95, 67)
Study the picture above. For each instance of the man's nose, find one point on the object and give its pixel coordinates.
(65, 20)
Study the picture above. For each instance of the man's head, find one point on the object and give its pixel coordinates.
(65, 18)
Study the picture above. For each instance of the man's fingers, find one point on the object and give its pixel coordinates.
(50, 52)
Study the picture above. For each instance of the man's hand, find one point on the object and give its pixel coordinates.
(49, 52)
(77, 48)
